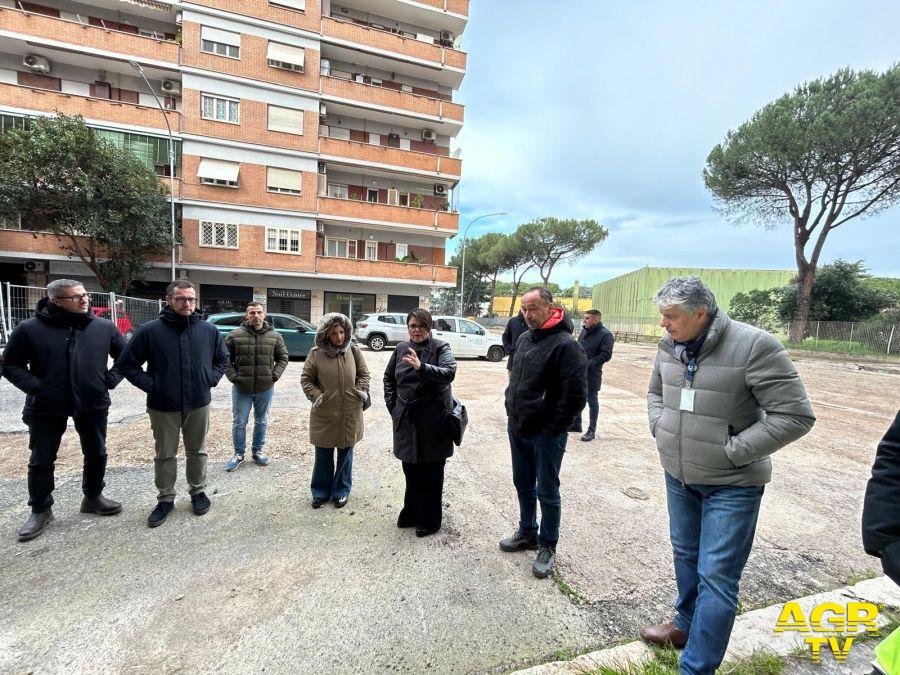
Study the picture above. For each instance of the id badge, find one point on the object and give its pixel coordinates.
(687, 400)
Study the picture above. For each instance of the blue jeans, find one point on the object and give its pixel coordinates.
(240, 408)
(711, 528)
(535, 464)
(329, 481)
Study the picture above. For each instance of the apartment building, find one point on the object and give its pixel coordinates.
(313, 161)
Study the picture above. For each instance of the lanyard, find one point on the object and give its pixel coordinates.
(689, 371)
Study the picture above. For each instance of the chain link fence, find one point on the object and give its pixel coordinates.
(867, 338)
(18, 303)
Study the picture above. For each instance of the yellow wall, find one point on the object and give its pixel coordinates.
(501, 305)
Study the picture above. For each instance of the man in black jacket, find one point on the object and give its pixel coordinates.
(881, 509)
(185, 357)
(514, 328)
(59, 359)
(547, 389)
(597, 343)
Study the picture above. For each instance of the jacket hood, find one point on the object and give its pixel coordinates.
(47, 311)
(328, 321)
(558, 321)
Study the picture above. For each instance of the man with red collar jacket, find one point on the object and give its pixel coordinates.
(547, 390)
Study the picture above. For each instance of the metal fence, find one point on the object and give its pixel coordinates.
(874, 338)
(18, 303)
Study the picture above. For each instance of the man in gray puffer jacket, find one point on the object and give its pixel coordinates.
(723, 397)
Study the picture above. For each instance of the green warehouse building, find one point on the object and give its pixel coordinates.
(627, 300)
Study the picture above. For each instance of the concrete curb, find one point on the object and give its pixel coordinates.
(753, 631)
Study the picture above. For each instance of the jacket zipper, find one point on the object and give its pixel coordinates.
(255, 352)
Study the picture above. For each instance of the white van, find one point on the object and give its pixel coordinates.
(467, 338)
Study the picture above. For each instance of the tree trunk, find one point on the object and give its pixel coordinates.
(805, 279)
(493, 292)
(515, 294)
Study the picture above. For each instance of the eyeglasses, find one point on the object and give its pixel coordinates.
(184, 300)
(417, 326)
(80, 297)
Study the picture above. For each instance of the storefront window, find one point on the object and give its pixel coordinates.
(289, 301)
(352, 305)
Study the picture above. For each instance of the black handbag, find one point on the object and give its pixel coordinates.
(457, 420)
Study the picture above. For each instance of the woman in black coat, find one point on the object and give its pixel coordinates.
(418, 397)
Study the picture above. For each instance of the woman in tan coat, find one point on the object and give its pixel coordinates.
(335, 379)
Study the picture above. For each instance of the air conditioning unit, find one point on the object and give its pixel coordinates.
(323, 111)
(440, 190)
(38, 64)
(393, 197)
(178, 18)
(446, 38)
(171, 86)
(34, 266)
(429, 135)
(320, 227)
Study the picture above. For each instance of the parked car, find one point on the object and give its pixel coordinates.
(299, 335)
(467, 338)
(381, 329)
(123, 321)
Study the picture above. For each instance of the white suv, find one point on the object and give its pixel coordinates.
(467, 338)
(381, 329)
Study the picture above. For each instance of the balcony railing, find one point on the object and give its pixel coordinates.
(401, 215)
(391, 98)
(84, 34)
(91, 108)
(386, 269)
(380, 154)
(390, 42)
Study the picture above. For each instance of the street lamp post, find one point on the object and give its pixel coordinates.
(462, 282)
(137, 67)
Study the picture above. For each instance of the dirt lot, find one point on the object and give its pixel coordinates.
(465, 606)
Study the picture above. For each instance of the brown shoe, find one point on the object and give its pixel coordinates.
(664, 635)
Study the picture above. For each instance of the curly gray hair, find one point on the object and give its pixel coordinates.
(689, 292)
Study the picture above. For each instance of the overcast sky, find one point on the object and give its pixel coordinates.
(607, 110)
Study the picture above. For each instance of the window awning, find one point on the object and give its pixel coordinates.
(216, 169)
(285, 54)
(293, 4)
(285, 119)
(218, 35)
(284, 179)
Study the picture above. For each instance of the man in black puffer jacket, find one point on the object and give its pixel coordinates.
(185, 358)
(59, 359)
(547, 389)
(597, 342)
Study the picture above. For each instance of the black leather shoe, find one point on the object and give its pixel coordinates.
(35, 525)
(341, 502)
(588, 437)
(158, 515)
(200, 503)
(319, 502)
(426, 531)
(100, 505)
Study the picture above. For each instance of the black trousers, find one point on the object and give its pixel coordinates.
(45, 434)
(424, 493)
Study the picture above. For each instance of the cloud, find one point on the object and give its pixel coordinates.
(608, 110)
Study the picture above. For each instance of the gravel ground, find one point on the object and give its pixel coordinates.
(263, 582)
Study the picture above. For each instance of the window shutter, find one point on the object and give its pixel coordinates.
(285, 54)
(285, 119)
(284, 179)
(218, 35)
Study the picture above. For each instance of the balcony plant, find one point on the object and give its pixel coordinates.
(416, 201)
